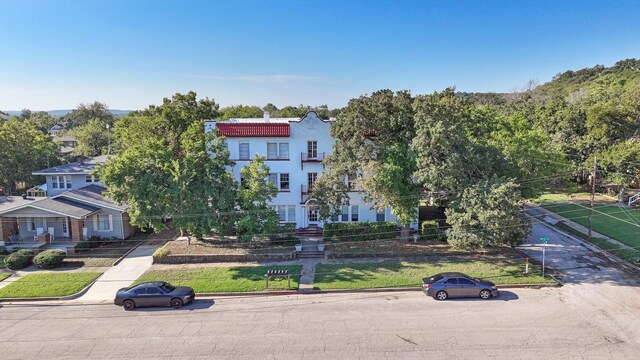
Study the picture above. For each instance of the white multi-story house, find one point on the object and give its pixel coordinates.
(294, 150)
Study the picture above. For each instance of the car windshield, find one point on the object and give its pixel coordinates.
(167, 287)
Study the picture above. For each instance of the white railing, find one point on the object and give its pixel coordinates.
(634, 198)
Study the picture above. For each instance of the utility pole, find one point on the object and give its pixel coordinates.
(109, 139)
(593, 191)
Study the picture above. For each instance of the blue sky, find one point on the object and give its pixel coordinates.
(129, 54)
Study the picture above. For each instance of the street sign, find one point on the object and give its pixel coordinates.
(544, 240)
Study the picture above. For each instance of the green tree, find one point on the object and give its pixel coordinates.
(23, 150)
(170, 169)
(371, 143)
(92, 138)
(86, 112)
(487, 215)
(240, 112)
(255, 217)
(621, 163)
(43, 120)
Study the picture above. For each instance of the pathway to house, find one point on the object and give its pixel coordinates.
(121, 275)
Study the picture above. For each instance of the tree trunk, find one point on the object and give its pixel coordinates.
(404, 233)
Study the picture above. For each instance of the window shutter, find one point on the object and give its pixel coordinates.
(95, 222)
(110, 222)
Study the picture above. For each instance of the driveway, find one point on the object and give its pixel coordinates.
(599, 285)
(121, 275)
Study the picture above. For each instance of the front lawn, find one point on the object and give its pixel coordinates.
(410, 274)
(4, 276)
(612, 221)
(225, 279)
(630, 255)
(48, 285)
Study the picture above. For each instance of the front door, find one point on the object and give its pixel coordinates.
(312, 213)
(65, 227)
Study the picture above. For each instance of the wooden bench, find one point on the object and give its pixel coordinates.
(275, 274)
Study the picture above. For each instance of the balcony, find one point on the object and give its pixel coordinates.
(311, 158)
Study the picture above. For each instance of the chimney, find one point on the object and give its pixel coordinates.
(266, 116)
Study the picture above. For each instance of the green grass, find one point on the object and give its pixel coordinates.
(225, 279)
(410, 274)
(48, 285)
(628, 255)
(4, 276)
(549, 197)
(612, 221)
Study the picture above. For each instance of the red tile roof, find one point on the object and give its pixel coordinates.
(253, 130)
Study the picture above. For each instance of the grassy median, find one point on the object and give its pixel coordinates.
(48, 285)
(410, 274)
(225, 279)
(4, 276)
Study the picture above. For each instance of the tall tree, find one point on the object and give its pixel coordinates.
(174, 170)
(86, 112)
(23, 150)
(371, 143)
(92, 138)
(240, 111)
(255, 217)
(487, 215)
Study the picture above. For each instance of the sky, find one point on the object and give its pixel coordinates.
(130, 54)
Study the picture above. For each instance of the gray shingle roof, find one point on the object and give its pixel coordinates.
(65, 206)
(81, 167)
(92, 194)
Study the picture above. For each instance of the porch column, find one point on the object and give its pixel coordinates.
(76, 229)
(8, 225)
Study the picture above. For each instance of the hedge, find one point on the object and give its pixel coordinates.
(360, 231)
(431, 230)
(19, 259)
(49, 259)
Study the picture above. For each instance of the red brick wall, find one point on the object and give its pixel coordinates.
(8, 225)
(76, 229)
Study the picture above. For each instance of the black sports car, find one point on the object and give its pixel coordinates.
(153, 293)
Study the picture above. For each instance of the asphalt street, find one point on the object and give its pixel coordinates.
(595, 315)
(551, 323)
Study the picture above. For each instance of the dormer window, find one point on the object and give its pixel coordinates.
(91, 178)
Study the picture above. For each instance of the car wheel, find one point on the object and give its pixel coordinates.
(176, 302)
(442, 295)
(485, 294)
(128, 305)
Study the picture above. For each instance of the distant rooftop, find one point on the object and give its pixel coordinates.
(80, 167)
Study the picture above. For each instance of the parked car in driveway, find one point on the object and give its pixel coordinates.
(452, 284)
(154, 293)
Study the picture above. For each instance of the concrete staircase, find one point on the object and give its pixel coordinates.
(310, 248)
(311, 231)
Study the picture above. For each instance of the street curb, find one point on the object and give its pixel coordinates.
(61, 298)
(613, 258)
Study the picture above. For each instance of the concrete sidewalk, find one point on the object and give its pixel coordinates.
(121, 275)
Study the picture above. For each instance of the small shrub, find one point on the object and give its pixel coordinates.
(49, 259)
(19, 259)
(161, 252)
(83, 246)
(285, 234)
(431, 230)
(4, 251)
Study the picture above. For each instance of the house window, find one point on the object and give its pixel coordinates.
(244, 151)
(243, 183)
(284, 181)
(277, 151)
(273, 178)
(354, 213)
(61, 182)
(345, 213)
(103, 222)
(380, 216)
(286, 213)
(311, 179)
(91, 178)
(350, 180)
(312, 149)
(334, 217)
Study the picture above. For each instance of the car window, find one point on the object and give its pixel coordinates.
(463, 281)
(153, 290)
(432, 279)
(140, 290)
(452, 281)
(167, 287)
